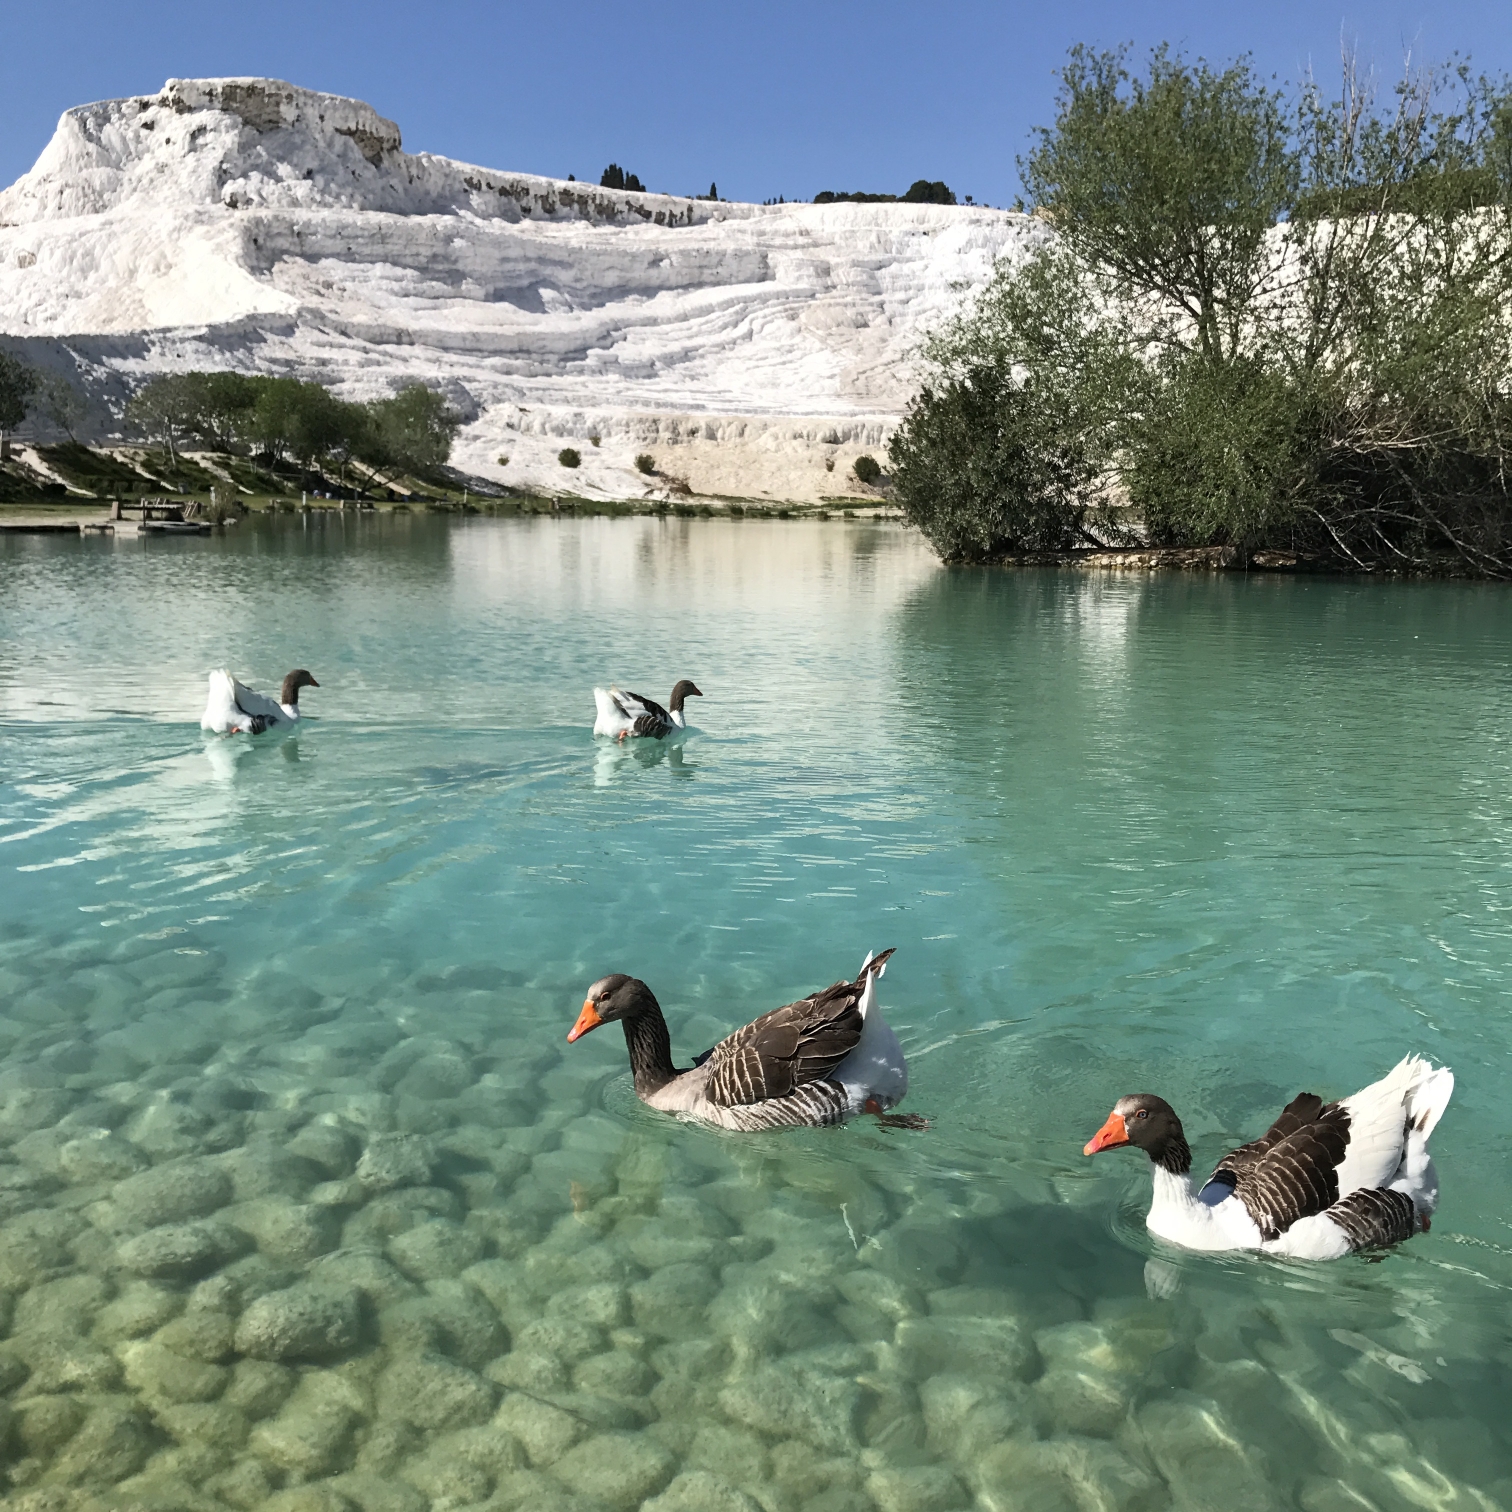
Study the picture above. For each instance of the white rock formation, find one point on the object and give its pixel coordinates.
(249, 224)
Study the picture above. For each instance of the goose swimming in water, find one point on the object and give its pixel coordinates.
(234, 709)
(815, 1062)
(622, 714)
(1324, 1180)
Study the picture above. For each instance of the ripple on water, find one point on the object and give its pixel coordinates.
(305, 1203)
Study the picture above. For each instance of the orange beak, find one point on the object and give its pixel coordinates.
(587, 1019)
(1109, 1137)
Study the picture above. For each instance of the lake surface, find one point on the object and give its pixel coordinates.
(1222, 838)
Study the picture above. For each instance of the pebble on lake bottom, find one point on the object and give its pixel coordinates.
(338, 1268)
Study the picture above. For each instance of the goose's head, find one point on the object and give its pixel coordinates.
(1144, 1120)
(683, 691)
(297, 679)
(610, 998)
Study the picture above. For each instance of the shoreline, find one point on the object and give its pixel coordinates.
(77, 517)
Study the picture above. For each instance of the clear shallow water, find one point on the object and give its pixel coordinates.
(1218, 838)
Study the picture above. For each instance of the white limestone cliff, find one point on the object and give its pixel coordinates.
(250, 224)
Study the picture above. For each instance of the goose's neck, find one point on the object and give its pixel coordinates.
(1173, 1191)
(650, 1047)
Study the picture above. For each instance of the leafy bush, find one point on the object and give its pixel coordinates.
(646, 463)
(867, 469)
(920, 192)
(569, 457)
(1264, 322)
(594, 440)
(928, 192)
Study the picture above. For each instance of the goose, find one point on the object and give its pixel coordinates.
(815, 1062)
(233, 709)
(621, 714)
(1324, 1180)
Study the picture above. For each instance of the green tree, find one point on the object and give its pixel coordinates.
(413, 430)
(64, 404)
(226, 404)
(19, 382)
(1167, 188)
(166, 409)
(1258, 321)
(273, 425)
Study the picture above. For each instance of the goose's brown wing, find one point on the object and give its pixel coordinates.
(786, 1048)
(1292, 1170)
(649, 716)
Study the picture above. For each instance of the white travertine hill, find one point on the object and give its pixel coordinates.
(246, 223)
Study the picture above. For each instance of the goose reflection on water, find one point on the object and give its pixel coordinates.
(619, 759)
(225, 757)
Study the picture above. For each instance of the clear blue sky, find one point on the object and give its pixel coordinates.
(776, 98)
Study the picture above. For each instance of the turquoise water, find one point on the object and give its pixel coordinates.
(1216, 837)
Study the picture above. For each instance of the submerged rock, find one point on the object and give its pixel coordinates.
(366, 1271)
(1196, 1448)
(141, 1308)
(791, 1403)
(436, 1250)
(301, 1323)
(917, 1488)
(453, 1319)
(213, 1423)
(993, 1348)
(312, 1435)
(396, 1160)
(113, 1442)
(163, 1376)
(182, 1250)
(328, 1146)
(432, 1392)
(69, 1304)
(700, 1491)
(171, 1193)
(379, 1493)
(34, 1246)
(259, 1388)
(288, 1231)
(618, 1469)
(545, 1432)
(43, 1424)
(1070, 1474)
(97, 1156)
(64, 1361)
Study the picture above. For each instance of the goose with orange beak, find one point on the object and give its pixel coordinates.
(1324, 1180)
(815, 1062)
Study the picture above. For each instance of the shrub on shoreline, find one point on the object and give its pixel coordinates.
(1265, 322)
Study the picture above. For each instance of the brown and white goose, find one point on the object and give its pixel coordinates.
(1325, 1179)
(815, 1062)
(621, 714)
(232, 708)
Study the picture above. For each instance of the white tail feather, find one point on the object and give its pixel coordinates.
(220, 703)
(1427, 1100)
